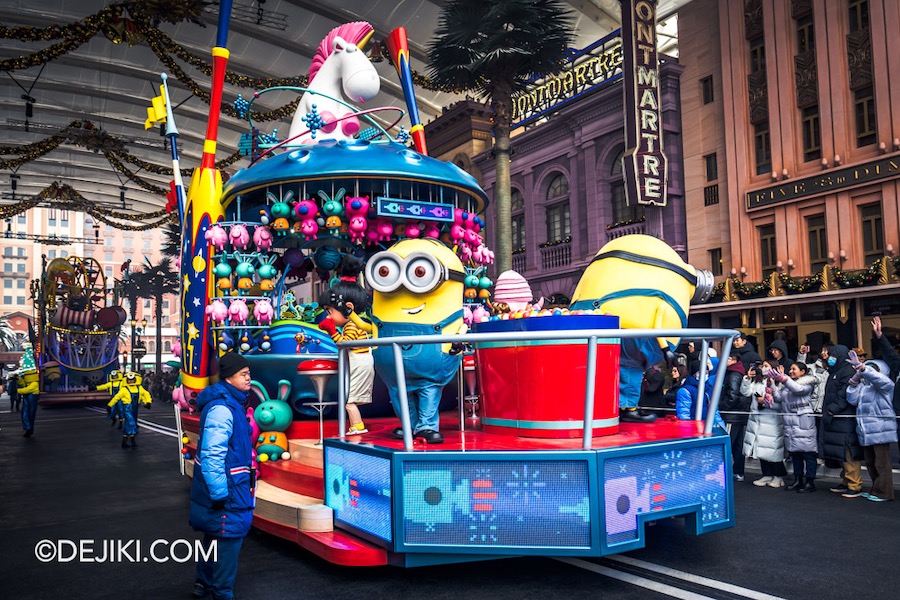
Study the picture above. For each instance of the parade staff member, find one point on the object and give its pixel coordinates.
(223, 482)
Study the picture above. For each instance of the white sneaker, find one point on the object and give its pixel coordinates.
(355, 431)
(738, 477)
(763, 481)
(776, 482)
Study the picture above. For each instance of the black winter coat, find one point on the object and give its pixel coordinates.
(890, 356)
(748, 355)
(732, 399)
(838, 433)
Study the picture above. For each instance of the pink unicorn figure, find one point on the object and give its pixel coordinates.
(217, 311)
(239, 236)
(306, 211)
(339, 65)
(263, 311)
(262, 238)
(356, 209)
(238, 312)
(216, 236)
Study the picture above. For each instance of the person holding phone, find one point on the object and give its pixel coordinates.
(764, 439)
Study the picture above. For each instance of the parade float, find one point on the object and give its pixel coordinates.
(542, 467)
(78, 328)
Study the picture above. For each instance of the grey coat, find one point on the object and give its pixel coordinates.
(765, 427)
(799, 421)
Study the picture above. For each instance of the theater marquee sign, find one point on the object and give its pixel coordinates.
(594, 66)
(644, 163)
(832, 181)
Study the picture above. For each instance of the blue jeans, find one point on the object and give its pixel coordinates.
(423, 406)
(630, 382)
(218, 576)
(29, 411)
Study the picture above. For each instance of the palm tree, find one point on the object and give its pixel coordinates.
(494, 48)
(154, 282)
(7, 335)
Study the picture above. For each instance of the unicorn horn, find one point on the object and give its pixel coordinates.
(398, 46)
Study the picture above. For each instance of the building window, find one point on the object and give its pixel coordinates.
(558, 222)
(64, 217)
(20, 268)
(146, 244)
(128, 242)
(20, 252)
(872, 232)
(20, 219)
(757, 54)
(706, 90)
(20, 300)
(8, 251)
(859, 14)
(622, 213)
(107, 257)
(7, 267)
(20, 283)
(812, 135)
(518, 233)
(712, 167)
(8, 283)
(559, 186)
(767, 249)
(818, 242)
(715, 261)
(806, 34)
(864, 103)
(7, 300)
(763, 146)
(517, 208)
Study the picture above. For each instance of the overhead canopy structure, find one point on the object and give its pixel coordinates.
(93, 74)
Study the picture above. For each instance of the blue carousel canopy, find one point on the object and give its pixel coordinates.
(383, 167)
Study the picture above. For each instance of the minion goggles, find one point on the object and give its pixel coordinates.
(419, 272)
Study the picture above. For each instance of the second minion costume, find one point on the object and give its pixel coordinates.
(418, 290)
(112, 385)
(130, 394)
(643, 281)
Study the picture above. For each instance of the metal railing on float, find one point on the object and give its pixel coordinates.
(725, 336)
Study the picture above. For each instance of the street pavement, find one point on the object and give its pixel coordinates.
(73, 482)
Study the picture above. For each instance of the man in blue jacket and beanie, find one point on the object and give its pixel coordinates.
(223, 483)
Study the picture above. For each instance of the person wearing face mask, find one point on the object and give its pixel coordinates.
(794, 390)
(837, 438)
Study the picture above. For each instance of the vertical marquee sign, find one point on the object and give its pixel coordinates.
(645, 163)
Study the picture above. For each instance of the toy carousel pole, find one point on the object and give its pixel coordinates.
(203, 209)
(398, 46)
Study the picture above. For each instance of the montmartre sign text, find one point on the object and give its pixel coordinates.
(598, 64)
(825, 183)
(645, 164)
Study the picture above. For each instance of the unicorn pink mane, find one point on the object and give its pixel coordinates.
(357, 33)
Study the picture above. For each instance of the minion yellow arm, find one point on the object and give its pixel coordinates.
(358, 321)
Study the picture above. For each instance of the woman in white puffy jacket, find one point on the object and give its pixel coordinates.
(764, 439)
(795, 394)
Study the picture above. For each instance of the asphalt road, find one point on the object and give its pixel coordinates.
(73, 482)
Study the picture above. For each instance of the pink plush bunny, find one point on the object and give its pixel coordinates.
(432, 230)
(306, 211)
(385, 229)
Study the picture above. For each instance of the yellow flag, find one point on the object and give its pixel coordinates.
(156, 113)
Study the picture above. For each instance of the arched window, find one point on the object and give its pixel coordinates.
(621, 212)
(558, 225)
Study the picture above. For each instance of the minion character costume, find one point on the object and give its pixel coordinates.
(643, 281)
(418, 290)
(130, 392)
(114, 381)
(28, 389)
